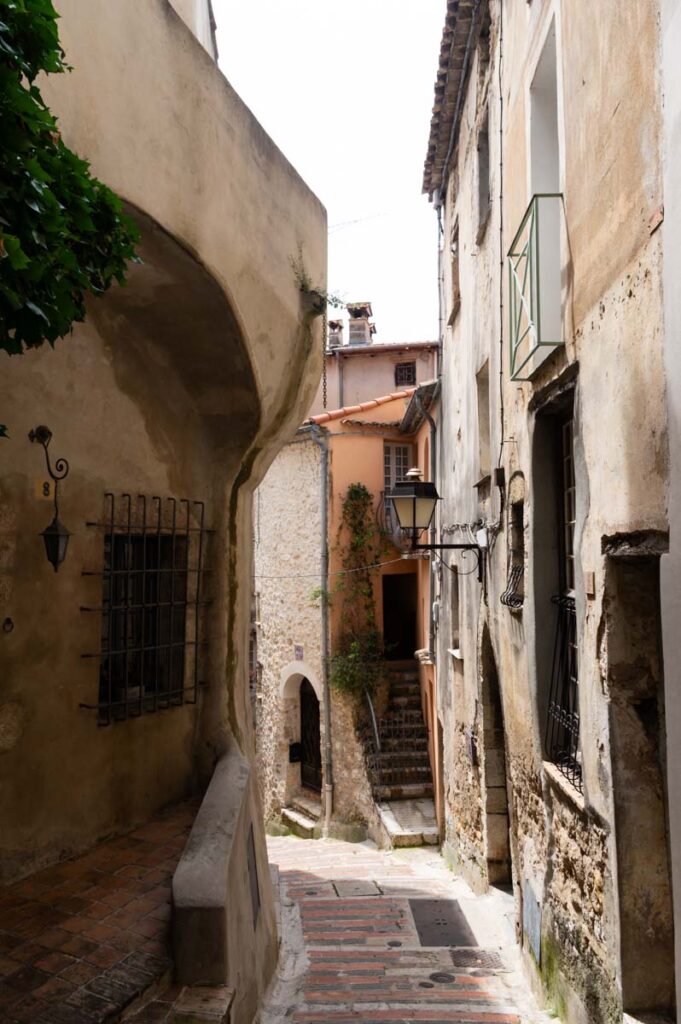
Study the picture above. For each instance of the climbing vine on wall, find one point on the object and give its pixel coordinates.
(62, 232)
(357, 661)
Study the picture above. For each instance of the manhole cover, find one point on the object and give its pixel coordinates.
(442, 978)
(441, 923)
(487, 959)
(356, 888)
(426, 984)
(394, 942)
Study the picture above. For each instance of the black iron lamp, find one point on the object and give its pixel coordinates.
(414, 501)
(55, 536)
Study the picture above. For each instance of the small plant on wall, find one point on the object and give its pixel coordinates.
(357, 661)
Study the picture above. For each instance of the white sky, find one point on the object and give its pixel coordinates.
(345, 89)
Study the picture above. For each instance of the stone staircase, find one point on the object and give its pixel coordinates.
(400, 773)
(303, 816)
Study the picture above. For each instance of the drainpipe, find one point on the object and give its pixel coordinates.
(340, 381)
(322, 441)
(433, 473)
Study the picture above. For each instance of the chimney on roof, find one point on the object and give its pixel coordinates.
(335, 333)
(360, 331)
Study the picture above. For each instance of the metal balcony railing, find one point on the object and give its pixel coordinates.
(534, 264)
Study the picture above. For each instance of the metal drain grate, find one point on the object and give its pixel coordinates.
(441, 923)
(484, 958)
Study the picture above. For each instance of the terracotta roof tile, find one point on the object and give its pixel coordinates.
(349, 410)
(462, 17)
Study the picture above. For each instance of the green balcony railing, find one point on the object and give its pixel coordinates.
(534, 264)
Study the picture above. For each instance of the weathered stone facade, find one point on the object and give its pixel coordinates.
(530, 108)
(288, 547)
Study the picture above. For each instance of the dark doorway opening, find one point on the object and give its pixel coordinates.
(497, 823)
(310, 738)
(399, 616)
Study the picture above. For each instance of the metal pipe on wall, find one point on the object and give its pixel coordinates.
(321, 439)
(433, 472)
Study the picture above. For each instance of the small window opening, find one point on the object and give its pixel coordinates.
(405, 374)
(482, 386)
(484, 187)
(455, 298)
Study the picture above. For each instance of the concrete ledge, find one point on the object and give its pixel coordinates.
(201, 880)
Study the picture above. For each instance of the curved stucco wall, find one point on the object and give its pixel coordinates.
(162, 126)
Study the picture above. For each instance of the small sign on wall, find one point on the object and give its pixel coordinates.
(298, 652)
(44, 489)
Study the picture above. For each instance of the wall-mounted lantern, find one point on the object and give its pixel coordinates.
(55, 536)
(414, 501)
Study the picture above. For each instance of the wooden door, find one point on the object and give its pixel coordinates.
(310, 738)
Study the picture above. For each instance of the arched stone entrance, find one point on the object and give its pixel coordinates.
(301, 725)
(495, 793)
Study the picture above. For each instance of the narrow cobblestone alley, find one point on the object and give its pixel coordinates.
(351, 949)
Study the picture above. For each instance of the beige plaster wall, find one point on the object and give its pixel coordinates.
(184, 383)
(609, 108)
(354, 376)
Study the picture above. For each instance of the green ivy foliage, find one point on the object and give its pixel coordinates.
(63, 233)
(357, 663)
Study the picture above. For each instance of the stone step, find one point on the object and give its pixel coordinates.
(405, 716)
(394, 758)
(410, 739)
(300, 824)
(407, 703)
(402, 775)
(307, 806)
(405, 686)
(409, 822)
(412, 791)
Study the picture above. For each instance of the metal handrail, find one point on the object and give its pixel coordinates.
(374, 724)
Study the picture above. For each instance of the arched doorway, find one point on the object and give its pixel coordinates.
(310, 738)
(497, 837)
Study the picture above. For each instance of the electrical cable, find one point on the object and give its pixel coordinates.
(454, 568)
(338, 572)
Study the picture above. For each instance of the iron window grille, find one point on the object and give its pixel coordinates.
(562, 729)
(405, 374)
(151, 607)
(514, 595)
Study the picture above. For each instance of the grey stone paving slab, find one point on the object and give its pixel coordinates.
(352, 888)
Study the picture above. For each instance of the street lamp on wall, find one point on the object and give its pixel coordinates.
(414, 502)
(55, 536)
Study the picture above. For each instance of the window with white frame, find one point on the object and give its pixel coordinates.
(397, 461)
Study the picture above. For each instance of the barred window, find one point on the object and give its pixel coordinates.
(562, 729)
(405, 374)
(151, 607)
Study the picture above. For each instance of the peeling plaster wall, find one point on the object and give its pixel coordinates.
(563, 846)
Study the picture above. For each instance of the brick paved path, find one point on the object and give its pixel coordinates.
(351, 952)
(81, 940)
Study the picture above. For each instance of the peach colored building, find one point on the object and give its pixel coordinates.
(373, 443)
(359, 368)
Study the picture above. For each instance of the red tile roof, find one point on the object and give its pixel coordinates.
(349, 410)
